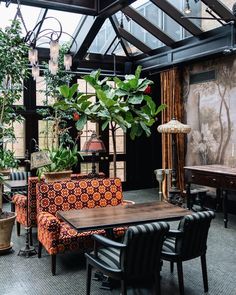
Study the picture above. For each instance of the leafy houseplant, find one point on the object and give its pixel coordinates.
(127, 106)
(62, 160)
(14, 66)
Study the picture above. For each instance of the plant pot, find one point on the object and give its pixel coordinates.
(7, 220)
(5, 172)
(57, 176)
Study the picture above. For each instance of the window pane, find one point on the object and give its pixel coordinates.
(18, 146)
(40, 91)
(120, 142)
(45, 134)
(120, 170)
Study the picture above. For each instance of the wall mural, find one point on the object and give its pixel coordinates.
(210, 111)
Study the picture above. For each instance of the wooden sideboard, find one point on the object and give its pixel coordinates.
(218, 176)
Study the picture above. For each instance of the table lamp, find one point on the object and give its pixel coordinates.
(94, 145)
(174, 127)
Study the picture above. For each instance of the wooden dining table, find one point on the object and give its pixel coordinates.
(121, 215)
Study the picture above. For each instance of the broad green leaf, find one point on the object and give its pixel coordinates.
(160, 108)
(81, 122)
(65, 91)
(138, 72)
(73, 89)
(105, 124)
(136, 99)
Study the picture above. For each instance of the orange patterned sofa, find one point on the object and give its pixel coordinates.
(20, 202)
(57, 236)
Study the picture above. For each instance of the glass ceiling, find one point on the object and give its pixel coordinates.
(30, 16)
(146, 8)
(68, 20)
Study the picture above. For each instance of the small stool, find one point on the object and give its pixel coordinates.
(197, 197)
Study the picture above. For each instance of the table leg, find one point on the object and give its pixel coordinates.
(218, 200)
(225, 209)
(188, 195)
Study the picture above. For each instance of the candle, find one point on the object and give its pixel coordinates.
(232, 149)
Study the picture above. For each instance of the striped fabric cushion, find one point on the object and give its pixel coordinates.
(169, 245)
(109, 256)
(19, 175)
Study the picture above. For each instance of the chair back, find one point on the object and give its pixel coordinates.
(193, 242)
(19, 175)
(142, 256)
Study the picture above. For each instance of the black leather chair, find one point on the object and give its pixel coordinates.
(188, 242)
(137, 258)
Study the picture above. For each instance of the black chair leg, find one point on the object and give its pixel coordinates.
(53, 261)
(204, 272)
(123, 287)
(180, 277)
(40, 250)
(18, 228)
(157, 286)
(30, 236)
(171, 266)
(88, 280)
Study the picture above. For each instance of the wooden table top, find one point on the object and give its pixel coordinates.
(14, 184)
(115, 216)
(220, 169)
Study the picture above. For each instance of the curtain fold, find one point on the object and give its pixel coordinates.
(171, 95)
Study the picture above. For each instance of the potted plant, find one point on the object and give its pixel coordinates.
(62, 161)
(128, 106)
(14, 65)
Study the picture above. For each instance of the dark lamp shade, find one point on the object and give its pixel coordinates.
(94, 145)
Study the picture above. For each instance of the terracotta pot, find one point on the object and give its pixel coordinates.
(6, 223)
(57, 176)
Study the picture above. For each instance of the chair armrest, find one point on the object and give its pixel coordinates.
(174, 233)
(20, 200)
(48, 222)
(107, 242)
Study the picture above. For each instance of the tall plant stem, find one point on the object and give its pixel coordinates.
(113, 133)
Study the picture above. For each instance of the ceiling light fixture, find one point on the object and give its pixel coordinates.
(49, 36)
(187, 9)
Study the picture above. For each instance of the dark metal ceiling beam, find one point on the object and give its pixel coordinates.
(134, 41)
(87, 32)
(174, 13)
(148, 26)
(192, 49)
(124, 43)
(220, 9)
(88, 7)
(109, 7)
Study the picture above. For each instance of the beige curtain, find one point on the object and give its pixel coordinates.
(171, 95)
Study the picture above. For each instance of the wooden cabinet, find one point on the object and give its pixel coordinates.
(218, 176)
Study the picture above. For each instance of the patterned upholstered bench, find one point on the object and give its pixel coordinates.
(57, 236)
(20, 201)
